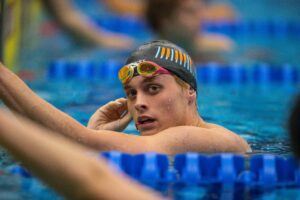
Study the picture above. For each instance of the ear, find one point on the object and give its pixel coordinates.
(192, 96)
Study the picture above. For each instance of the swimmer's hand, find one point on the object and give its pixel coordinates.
(112, 116)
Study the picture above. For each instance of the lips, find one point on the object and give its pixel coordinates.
(145, 122)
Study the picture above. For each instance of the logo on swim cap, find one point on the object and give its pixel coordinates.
(176, 56)
(169, 56)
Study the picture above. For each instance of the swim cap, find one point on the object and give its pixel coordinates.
(169, 56)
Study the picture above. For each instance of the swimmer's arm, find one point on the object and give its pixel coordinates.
(171, 141)
(75, 21)
(127, 7)
(212, 42)
(65, 165)
(20, 98)
(195, 139)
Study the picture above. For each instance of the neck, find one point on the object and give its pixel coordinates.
(196, 120)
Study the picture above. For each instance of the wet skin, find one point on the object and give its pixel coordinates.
(157, 103)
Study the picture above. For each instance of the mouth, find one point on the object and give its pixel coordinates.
(145, 123)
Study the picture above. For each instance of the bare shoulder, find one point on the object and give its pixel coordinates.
(210, 138)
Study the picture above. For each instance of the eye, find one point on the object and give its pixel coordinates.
(131, 93)
(153, 89)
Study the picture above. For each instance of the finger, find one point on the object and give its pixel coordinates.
(118, 103)
(127, 118)
(122, 100)
(112, 106)
(120, 106)
(124, 121)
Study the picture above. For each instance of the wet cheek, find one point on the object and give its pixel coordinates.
(168, 106)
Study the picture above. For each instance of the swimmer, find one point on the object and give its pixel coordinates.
(180, 22)
(161, 93)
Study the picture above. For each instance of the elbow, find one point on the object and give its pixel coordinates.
(241, 146)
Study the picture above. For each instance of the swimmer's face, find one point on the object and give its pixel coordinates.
(187, 17)
(156, 103)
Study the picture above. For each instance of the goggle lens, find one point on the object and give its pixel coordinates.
(125, 73)
(147, 69)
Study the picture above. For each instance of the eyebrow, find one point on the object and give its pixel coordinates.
(146, 80)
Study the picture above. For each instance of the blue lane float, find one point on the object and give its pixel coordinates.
(264, 170)
(143, 167)
(212, 73)
(82, 69)
(260, 73)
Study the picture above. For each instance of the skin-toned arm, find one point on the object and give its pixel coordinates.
(215, 139)
(19, 97)
(126, 7)
(65, 165)
(215, 43)
(80, 25)
(220, 12)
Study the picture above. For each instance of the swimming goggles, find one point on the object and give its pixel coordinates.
(143, 68)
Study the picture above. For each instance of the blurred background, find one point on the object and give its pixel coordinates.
(34, 32)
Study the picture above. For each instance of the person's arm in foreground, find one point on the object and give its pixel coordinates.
(80, 25)
(64, 165)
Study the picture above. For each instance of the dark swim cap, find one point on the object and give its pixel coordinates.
(168, 56)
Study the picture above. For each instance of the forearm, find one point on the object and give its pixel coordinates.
(74, 21)
(83, 27)
(18, 96)
(127, 7)
(64, 165)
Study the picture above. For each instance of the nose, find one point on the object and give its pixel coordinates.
(141, 103)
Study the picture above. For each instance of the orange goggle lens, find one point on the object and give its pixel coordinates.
(125, 73)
